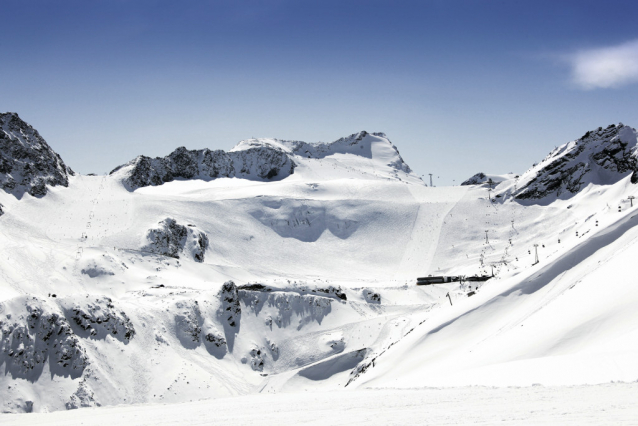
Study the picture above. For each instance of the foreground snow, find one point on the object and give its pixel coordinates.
(612, 404)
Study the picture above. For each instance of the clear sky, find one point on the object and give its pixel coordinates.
(459, 86)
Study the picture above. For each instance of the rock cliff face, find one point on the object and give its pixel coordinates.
(27, 162)
(602, 156)
(259, 163)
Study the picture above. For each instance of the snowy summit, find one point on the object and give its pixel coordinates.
(371, 155)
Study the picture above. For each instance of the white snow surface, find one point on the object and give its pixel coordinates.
(612, 404)
(324, 264)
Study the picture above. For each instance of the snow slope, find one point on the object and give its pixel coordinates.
(612, 404)
(207, 287)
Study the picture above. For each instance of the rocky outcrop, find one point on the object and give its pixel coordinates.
(257, 359)
(27, 162)
(231, 309)
(371, 296)
(216, 339)
(477, 179)
(101, 317)
(93, 270)
(602, 156)
(83, 397)
(28, 341)
(188, 323)
(172, 239)
(258, 163)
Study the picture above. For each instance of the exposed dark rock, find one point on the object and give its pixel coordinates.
(83, 397)
(371, 296)
(263, 162)
(333, 291)
(216, 339)
(171, 239)
(258, 159)
(101, 317)
(199, 249)
(168, 239)
(477, 179)
(94, 270)
(602, 156)
(188, 323)
(254, 287)
(257, 359)
(28, 342)
(231, 309)
(27, 162)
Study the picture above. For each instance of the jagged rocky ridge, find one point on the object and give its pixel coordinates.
(257, 159)
(265, 163)
(27, 162)
(602, 156)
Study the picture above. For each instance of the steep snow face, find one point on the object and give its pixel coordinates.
(259, 163)
(360, 143)
(27, 162)
(370, 154)
(600, 157)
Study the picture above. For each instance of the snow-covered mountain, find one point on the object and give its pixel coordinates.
(164, 282)
(27, 162)
(489, 180)
(599, 157)
(259, 159)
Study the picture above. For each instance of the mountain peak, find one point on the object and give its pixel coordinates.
(267, 159)
(602, 156)
(27, 162)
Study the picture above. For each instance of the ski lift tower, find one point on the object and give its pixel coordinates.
(430, 180)
(487, 241)
(535, 254)
(631, 200)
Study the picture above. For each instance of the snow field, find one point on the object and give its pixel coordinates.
(346, 225)
(609, 404)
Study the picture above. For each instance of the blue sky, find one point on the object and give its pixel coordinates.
(458, 86)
